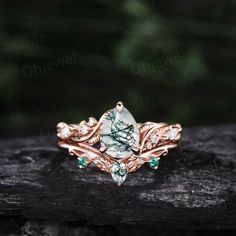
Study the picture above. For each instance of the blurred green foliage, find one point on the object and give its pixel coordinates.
(167, 60)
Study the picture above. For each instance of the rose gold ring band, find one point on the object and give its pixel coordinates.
(97, 141)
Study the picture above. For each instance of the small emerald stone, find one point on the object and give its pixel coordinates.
(82, 162)
(122, 172)
(119, 172)
(154, 162)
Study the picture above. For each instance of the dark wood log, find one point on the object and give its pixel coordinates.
(194, 187)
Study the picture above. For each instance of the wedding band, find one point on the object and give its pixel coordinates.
(116, 143)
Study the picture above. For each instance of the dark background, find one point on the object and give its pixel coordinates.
(66, 60)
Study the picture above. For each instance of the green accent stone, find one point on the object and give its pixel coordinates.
(154, 162)
(122, 172)
(119, 172)
(82, 162)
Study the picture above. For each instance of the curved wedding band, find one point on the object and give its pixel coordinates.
(116, 143)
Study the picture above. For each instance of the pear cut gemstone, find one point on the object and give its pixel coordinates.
(119, 172)
(119, 133)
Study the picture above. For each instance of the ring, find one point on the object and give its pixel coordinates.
(116, 143)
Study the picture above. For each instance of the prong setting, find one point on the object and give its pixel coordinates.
(124, 144)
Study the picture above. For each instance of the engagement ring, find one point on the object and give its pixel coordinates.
(116, 143)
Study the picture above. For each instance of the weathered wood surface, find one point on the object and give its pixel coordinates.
(194, 188)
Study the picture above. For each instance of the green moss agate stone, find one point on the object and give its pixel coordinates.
(119, 133)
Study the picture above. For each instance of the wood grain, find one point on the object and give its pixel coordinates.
(194, 187)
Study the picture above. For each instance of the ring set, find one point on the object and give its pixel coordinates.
(116, 143)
